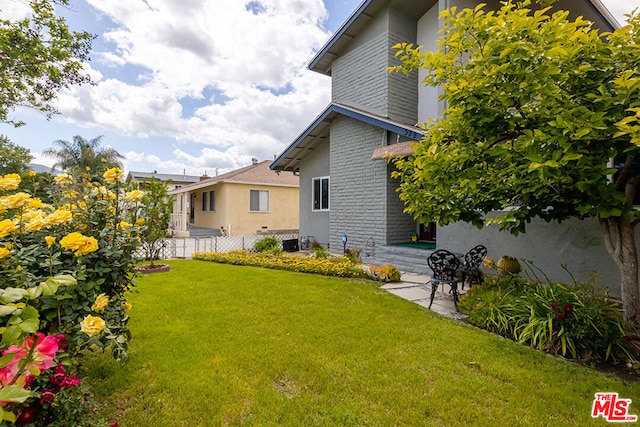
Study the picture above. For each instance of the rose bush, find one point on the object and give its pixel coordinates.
(66, 267)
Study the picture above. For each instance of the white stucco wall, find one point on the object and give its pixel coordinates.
(576, 243)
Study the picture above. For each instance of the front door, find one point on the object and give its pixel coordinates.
(428, 232)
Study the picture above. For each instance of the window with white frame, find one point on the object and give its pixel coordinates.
(259, 201)
(321, 193)
(212, 201)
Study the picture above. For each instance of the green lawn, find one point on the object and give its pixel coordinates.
(217, 344)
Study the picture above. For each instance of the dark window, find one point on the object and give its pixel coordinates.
(321, 194)
(212, 200)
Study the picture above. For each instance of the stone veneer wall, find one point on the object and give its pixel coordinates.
(358, 185)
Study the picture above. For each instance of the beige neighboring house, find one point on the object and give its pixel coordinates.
(243, 202)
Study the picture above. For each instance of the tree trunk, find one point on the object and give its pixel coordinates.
(619, 239)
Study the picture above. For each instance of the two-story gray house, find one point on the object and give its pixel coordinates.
(346, 186)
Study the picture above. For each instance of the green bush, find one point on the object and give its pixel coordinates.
(319, 251)
(576, 321)
(268, 244)
(353, 255)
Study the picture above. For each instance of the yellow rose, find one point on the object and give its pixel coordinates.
(100, 303)
(112, 175)
(92, 325)
(4, 252)
(36, 204)
(124, 224)
(89, 244)
(63, 178)
(7, 226)
(82, 245)
(50, 240)
(72, 241)
(9, 182)
(36, 222)
(133, 196)
(127, 306)
(17, 200)
(60, 216)
(32, 173)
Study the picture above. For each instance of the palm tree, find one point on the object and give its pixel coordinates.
(76, 156)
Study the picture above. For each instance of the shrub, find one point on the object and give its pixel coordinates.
(353, 255)
(319, 251)
(577, 321)
(66, 266)
(268, 244)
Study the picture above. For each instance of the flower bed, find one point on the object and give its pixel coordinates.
(579, 321)
(332, 266)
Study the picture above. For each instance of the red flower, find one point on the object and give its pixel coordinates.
(560, 316)
(114, 424)
(62, 341)
(58, 376)
(27, 416)
(70, 381)
(554, 305)
(28, 380)
(568, 308)
(47, 396)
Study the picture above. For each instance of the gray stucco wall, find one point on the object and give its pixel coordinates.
(402, 92)
(358, 185)
(400, 225)
(578, 244)
(360, 77)
(314, 223)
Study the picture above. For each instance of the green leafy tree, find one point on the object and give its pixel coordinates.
(13, 158)
(81, 156)
(39, 55)
(536, 109)
(155, 207)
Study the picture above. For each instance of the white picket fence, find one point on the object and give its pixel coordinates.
(184, 247)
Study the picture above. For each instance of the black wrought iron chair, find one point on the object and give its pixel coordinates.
(470, 269)
(444, 266)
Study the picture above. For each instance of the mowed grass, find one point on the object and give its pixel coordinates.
(218, 344)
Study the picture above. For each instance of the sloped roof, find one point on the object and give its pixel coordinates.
(258, 174)
(360, 18)
(318, 132)
(175, 178)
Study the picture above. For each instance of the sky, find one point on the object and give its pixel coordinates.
(195, 87)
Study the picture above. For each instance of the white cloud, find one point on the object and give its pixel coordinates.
(254, 54)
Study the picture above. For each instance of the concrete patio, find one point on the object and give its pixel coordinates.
(414, 288)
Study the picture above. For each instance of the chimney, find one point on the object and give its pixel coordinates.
(203, 177)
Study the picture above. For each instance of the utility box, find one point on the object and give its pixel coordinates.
(290, 245)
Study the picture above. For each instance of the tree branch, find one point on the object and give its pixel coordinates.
(606, 226)
(625, 173)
